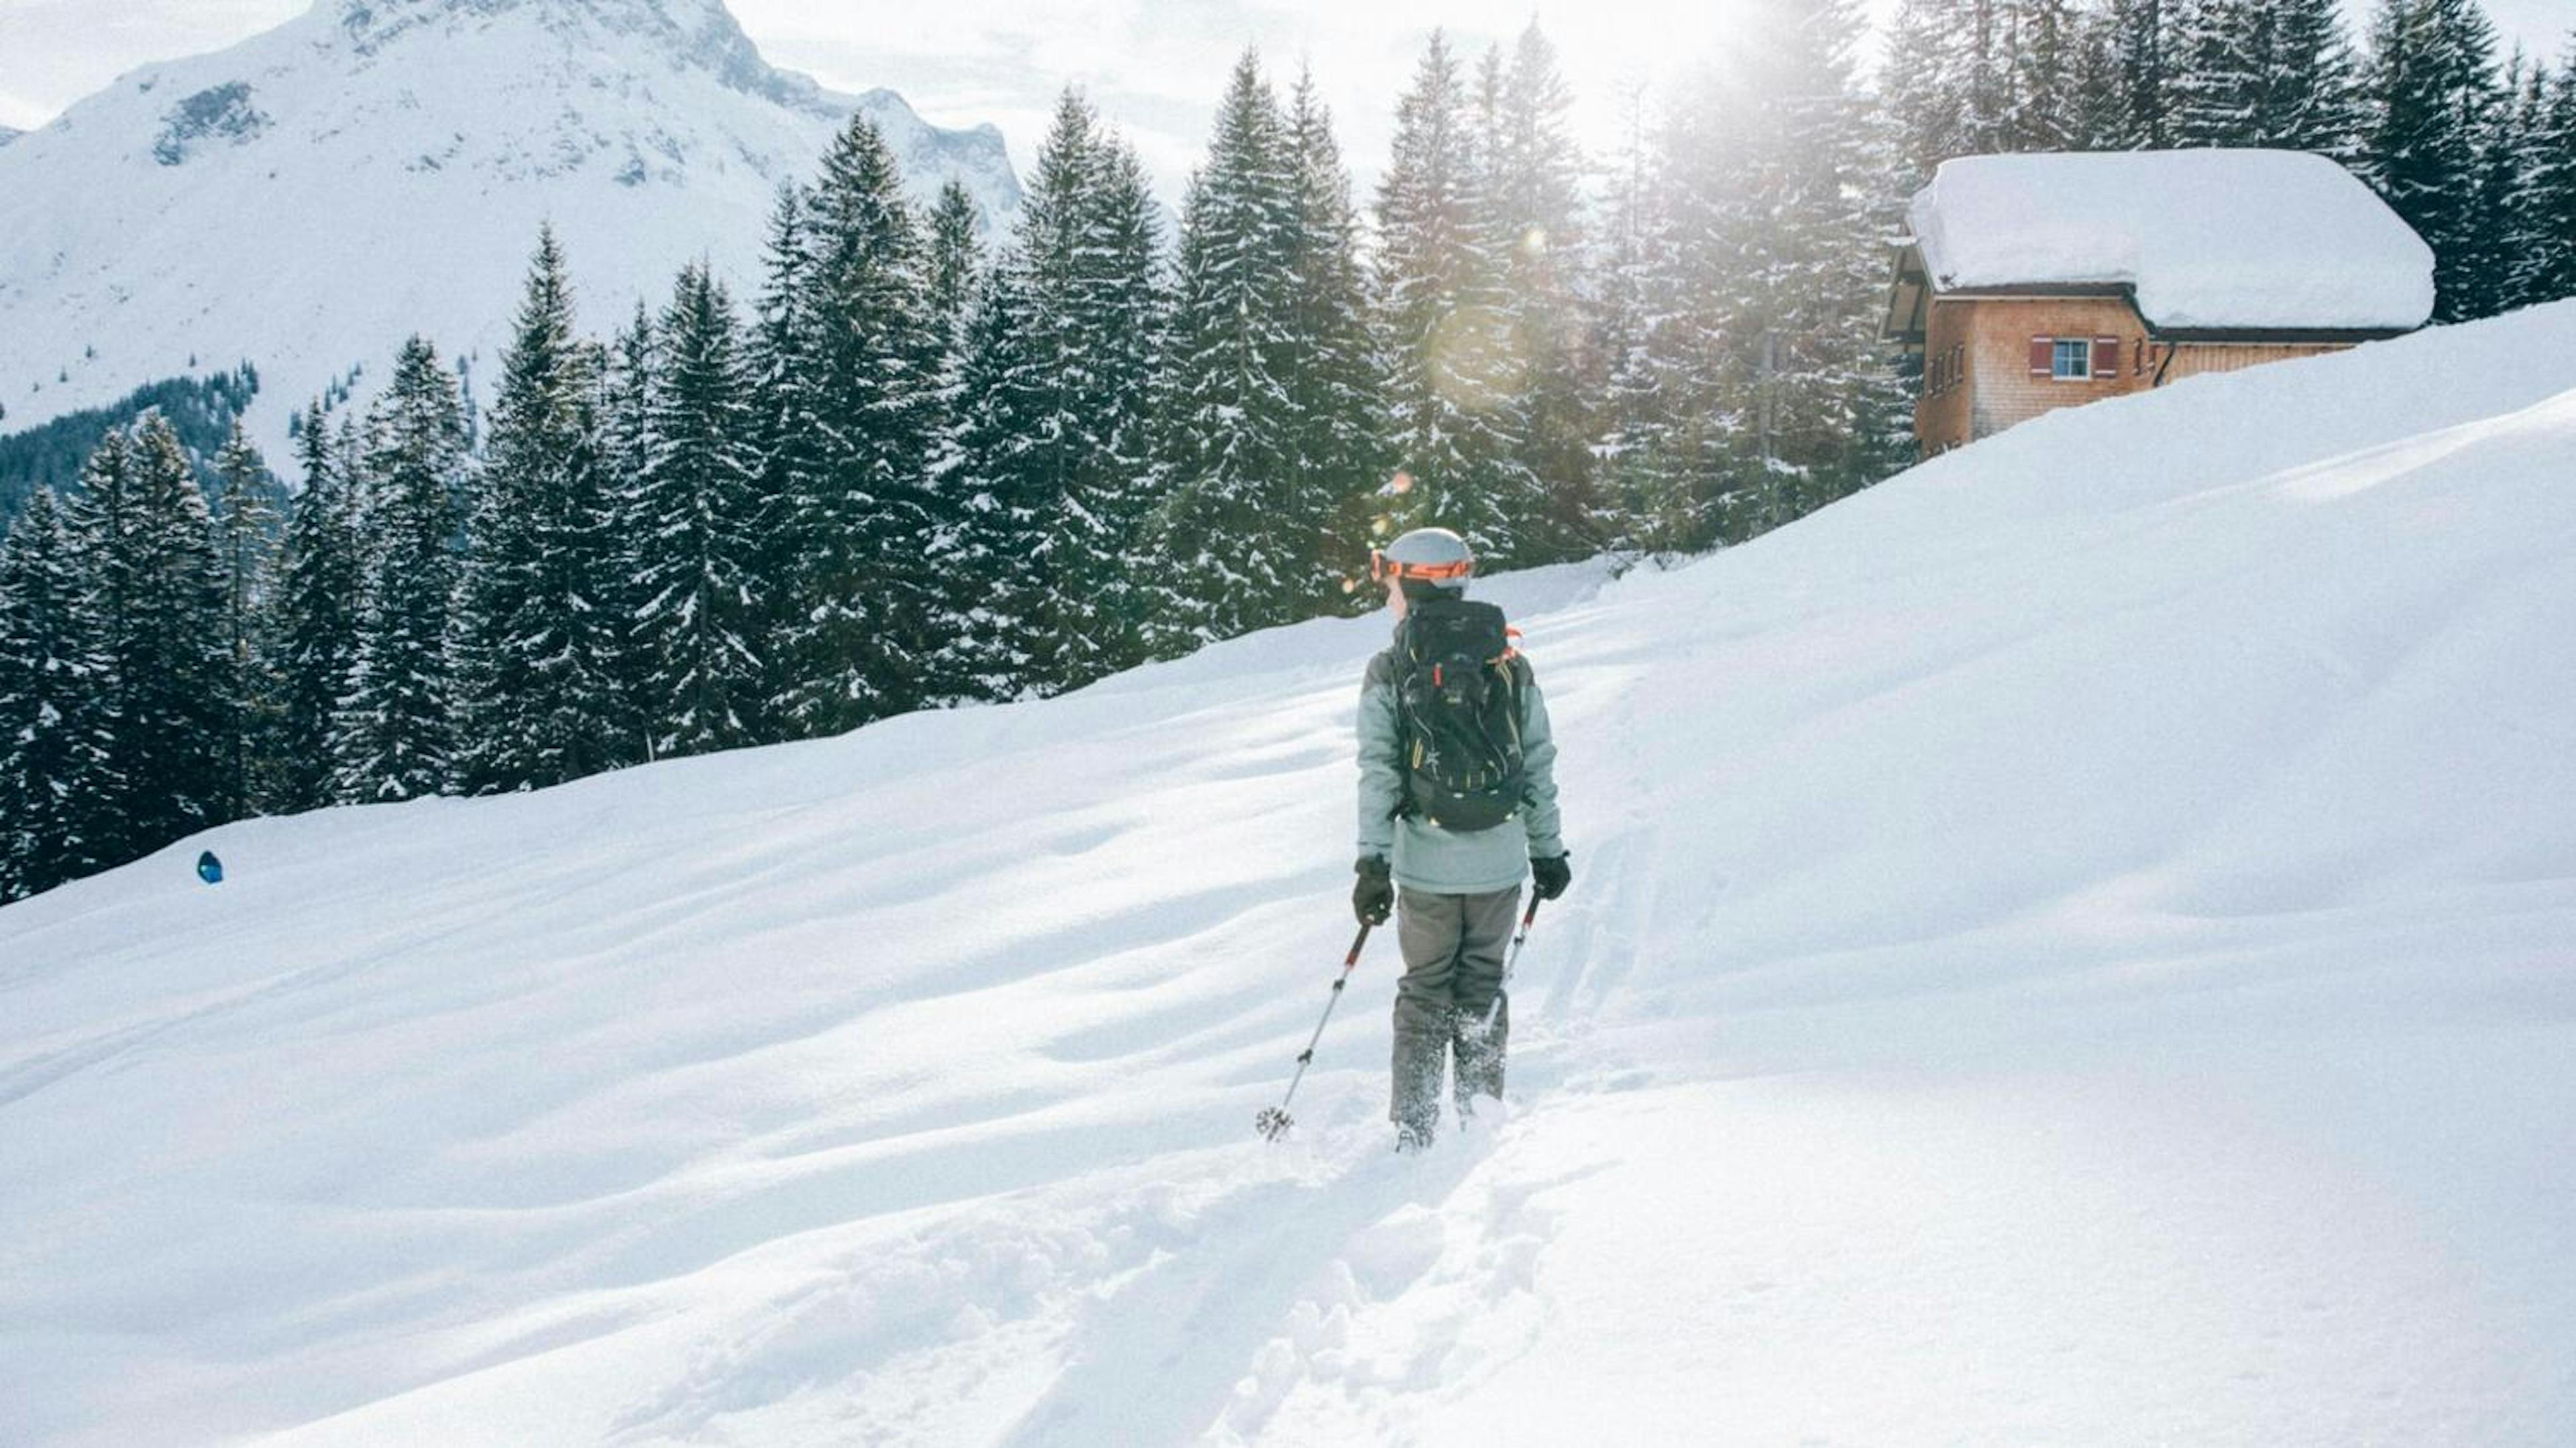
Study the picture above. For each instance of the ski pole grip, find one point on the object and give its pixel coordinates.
(1357, 941)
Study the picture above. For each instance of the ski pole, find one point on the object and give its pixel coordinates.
(1513, 960)
(1274, 1121)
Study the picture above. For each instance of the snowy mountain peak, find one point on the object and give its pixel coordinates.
(697, 34)
(375, 168)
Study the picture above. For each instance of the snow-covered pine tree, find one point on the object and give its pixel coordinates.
(58, 788)
(2142, 49)
(160, 582)
(956, 255)
(1919, 85)
(2519, 119)
(2430, 87)
(597, 724)
(2043, 104)
(1779, 253)
(247, 533)
(2308, 98)
(497, 571)
(2263, 73)
(1536, 178)
(540, 637)
(699, 623)
(629, 367)
(1053, 471)
(1124, 311)
(1983, 31)
(394, 735)
(103, 517)
(2545, 268)
(779, 353)
(1452, 374)
(626, 396)
(1332, 355)
(1638, 336)
(988, 561)
(2494, 239)
(956, 266)
(1973, 77)
(247, 490)
(313, 622)
(353, 446)
(861, 626)
(2101, 109)
(2218, 70)
(1232, 544)
(1886, 380)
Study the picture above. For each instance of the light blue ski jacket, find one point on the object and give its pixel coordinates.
(1452, 862)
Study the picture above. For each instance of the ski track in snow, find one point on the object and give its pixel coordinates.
(2072, 945)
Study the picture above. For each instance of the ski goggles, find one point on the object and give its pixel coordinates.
(1383, 568)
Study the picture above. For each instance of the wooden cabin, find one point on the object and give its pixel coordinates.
(2036, 282)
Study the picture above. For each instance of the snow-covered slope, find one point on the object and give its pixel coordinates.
(2076, 945)
(308, 198)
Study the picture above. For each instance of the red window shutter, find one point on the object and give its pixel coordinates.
(2040, 362)
(2106, 356)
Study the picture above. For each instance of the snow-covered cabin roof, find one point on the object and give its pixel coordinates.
(2209, 240)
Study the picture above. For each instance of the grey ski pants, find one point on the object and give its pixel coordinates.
(1453, 980)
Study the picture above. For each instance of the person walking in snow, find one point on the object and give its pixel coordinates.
(1457, 798)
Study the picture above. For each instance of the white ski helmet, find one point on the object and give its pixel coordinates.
(1433, 557)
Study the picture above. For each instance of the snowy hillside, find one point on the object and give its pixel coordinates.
(2075, 945)
(310, 197)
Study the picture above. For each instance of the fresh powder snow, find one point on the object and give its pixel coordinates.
(308, 198)
(2210, 239)
(2070, 945)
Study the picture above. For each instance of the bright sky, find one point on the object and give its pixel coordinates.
(1154, 66)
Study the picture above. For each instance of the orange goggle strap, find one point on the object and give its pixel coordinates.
(1382, 568)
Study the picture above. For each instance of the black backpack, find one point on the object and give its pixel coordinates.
(1458, 701)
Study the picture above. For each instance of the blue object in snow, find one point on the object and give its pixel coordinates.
(210, 869)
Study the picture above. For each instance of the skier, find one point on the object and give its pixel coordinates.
(1457, 796)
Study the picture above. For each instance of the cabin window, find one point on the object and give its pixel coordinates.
(2073, 359)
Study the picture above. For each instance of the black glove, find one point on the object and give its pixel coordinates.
(1551, 875)
(1373, 898)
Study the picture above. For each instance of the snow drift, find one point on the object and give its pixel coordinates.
(2073, 945)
